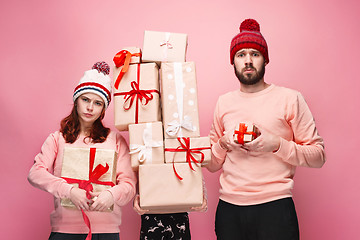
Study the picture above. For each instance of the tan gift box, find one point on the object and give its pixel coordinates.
(188, 149)
(88, 164)
(179, 100)
(137, 99)
(162, 192)
(146, 144)
(164, 47)
(245, 132)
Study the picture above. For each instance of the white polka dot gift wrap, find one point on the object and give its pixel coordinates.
(180, 112)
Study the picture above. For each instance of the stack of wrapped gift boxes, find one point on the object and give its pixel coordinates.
(156, 101)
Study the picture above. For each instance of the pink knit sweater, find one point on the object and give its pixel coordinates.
(255, 177)
(45, 175)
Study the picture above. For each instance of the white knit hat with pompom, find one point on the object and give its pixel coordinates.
(96, 81)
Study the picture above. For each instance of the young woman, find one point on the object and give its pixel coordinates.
(83, 128)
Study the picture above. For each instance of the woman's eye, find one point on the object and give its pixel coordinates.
(99, 103)
(85, 99)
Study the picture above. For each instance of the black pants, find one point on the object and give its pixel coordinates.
(67, 236)
(274, 220)
(165, 226)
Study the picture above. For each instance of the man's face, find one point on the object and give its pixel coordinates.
(249, 66)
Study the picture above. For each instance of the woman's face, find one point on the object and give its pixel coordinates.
(89, 108)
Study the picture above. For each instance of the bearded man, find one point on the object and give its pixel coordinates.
(257, 177)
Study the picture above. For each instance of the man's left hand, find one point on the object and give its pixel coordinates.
(266, 142)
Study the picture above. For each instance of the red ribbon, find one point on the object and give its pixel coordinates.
(123, 58)
(136, 94)
(185, 147)
(241, 132)
(87, 222)
(94, 175)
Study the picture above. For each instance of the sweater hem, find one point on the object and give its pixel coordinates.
(248, 201)
(107, 228)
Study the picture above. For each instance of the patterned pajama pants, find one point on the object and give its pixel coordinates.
(165, 226)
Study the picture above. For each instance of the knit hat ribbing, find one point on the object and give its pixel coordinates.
(96, 81)
(249, 37)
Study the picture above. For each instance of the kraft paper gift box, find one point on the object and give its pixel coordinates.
(162, 192)
(137, 98)
(245, 133)
(179, 100)
(98, 166)
(188, 149)
(164, 47)
(146, 144)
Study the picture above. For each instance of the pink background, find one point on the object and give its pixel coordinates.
(314, 48)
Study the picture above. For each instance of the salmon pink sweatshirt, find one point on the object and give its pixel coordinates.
(250, 178)
(45, 175)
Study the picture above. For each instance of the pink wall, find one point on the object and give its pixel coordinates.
(314, 48)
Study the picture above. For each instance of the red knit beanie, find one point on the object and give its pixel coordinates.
(249, 37)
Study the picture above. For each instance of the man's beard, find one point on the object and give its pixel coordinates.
(248, 79)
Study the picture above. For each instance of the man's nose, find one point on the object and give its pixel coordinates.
(248, 59)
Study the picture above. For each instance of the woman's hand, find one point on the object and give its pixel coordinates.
(136, 206)
(78, 197)
(102, 200)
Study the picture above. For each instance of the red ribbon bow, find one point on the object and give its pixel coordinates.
(123, 58)
(185, 147)
(140, 95)
(136, 94)
(94, 176)
(241, 132)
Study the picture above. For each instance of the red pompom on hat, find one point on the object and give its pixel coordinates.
(102, 67)
(249, 37)
(96, 81)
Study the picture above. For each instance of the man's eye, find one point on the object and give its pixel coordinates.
(241, 55)
(256, 54)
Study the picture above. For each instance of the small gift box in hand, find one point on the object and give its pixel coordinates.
(244, 133)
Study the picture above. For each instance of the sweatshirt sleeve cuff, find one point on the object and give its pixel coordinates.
(65, 189)
(218, 151)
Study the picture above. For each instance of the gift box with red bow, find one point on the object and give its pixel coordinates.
(91, 169)
(245, 133)
(136, 95)
(188, 150)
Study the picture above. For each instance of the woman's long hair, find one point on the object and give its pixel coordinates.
(70, 128)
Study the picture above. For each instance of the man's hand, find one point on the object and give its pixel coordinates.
(103, 201)
(227, 141)
(266, 142)
(78, 197)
